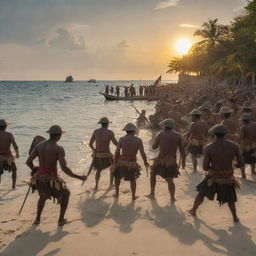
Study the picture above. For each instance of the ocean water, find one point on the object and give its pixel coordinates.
(32, 107)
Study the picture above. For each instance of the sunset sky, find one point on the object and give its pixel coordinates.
(102, 39)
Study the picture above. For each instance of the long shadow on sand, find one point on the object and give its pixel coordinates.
(237, 239)
(124, 216)
(174, 221)
(93, 209)
(33, 241)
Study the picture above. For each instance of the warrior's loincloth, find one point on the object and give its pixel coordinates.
(7, 163)
(102, 160)
(127, 168)
(49, 184)
(249, 152)
(196, 147)
(165, 166)
(222, 183)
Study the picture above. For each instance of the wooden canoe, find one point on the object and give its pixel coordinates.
(112, 97)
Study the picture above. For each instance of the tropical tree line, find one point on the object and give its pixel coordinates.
(227, 52)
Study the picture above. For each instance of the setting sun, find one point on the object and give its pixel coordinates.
(183, 45)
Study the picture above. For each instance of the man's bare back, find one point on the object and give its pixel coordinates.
(248, 133)
(231, 125)
(168, 143)
(102, 137)
(220, 154)
(198, 129)
(130, 145)
(49, 153)
(6, 140)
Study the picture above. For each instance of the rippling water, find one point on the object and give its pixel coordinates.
(31, 107)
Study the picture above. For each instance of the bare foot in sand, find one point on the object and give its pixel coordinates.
(236, 220)
(116, 195)
(150, 196)
(192, 212)
(36, 222)
(110, 187)
(135, 198)
(63, 222)
(173, 200)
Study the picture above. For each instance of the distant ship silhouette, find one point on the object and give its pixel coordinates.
(69, 79)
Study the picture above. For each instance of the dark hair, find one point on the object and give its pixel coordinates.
(226, 115)
(104, 125)
(130, 132)
(247, 121)
(219, 135)
(54, 136)
(2, 128)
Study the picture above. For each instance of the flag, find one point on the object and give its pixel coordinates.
(158, 81)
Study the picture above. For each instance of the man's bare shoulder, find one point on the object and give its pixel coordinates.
(7, 134)
(138, 139)
(203, 122)
(178, 134)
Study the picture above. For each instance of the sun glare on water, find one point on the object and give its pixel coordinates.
(183, 46)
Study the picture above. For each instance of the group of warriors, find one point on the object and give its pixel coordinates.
(132, 91)
(223, 132)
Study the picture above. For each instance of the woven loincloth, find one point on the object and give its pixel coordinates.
(49, 186)
(196, 147)
(166, 167)
(7, 163)
(102, 161)
(249, 152)
(222, 183)
(127, 170)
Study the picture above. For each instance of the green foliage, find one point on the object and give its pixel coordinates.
(225, 52)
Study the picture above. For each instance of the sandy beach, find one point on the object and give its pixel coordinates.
(102, 225)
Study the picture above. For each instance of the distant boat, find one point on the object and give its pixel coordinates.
(69, 79)
(92, 81)
(112, 97)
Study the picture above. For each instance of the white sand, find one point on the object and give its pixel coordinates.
(102, 226)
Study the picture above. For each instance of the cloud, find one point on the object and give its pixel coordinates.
(166, 4)
(64, 39)
(123, 44)
(77, 26)
(188, 26)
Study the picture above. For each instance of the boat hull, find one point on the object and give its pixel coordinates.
(112, 97)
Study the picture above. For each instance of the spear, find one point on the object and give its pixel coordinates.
(25, 199)
(90, 168)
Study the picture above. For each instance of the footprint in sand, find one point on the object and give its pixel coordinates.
(8, 232)
(95, 233)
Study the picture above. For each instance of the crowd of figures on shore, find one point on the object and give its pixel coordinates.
(221, 127)
(132, 91)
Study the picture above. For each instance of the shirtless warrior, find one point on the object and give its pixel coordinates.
(102, 158)
(197, 136)
(165, 165)
(218, 165)
(46, 178)
(230, 123)
(126, 166)
(7, 160)
(247, 141)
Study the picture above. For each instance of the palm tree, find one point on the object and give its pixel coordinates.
(212, 32)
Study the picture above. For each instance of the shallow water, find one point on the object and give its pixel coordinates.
(32, 107)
